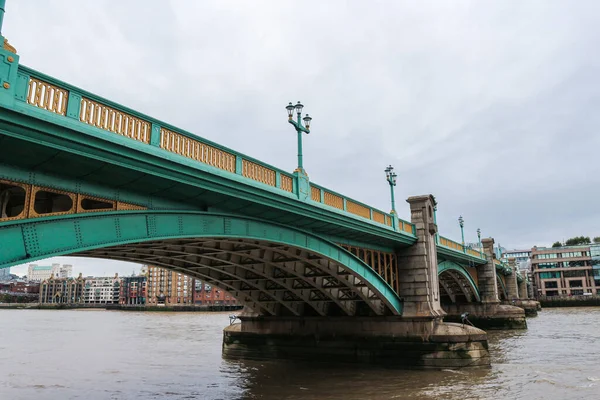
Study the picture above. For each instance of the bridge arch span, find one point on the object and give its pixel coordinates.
(273, 269)
(502, 291)
(456, 284)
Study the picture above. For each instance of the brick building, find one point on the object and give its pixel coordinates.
(169, 288)
(133, 290)
(208, 295)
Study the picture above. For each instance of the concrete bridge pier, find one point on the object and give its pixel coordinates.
(514, 289)
(489, 313)
(418, 338)
(530, 306)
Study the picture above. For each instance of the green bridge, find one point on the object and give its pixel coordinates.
(83, 176)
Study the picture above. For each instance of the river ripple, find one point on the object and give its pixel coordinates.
(128, 355)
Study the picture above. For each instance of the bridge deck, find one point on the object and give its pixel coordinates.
(110, 141)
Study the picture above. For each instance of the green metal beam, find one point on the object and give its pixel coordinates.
(452, 266)
(34, 239)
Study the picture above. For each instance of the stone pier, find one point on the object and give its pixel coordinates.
(489, 313)
(530, 306)
(390, 341)
(419, 338)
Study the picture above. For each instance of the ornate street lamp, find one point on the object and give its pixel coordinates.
(479, 238)
(461, 222)
(298, 126)
(390, 175)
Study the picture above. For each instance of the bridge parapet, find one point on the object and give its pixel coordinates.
(65, 104)
(455, 251)
(330, 198)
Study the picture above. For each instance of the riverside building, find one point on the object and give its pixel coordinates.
(102, 290)
(62, 290)
(208, 295)
(169, 288)
(566, 271)
(133, 290)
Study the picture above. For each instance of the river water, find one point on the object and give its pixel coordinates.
(128, 355)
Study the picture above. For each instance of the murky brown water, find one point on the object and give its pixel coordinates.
(126, 355)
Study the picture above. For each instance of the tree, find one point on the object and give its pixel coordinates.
(577, 240)
(557, 244)
(597, 239)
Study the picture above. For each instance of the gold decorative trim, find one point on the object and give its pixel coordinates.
(287, 183)
(333, 200)
(378, 217)
(81, 197)
(36, 189)
(187, 147)
(9, 47)
(113, 120)
(128, 206)
(315, 194)
(25, 212)
(47, 96)
(258, 173)
(358, 209)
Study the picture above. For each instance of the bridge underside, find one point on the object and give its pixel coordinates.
(455, 288)
(270, 278)
(272, 269)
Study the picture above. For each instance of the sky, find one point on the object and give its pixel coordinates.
(491, 106)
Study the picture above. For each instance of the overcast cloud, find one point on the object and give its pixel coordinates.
(492, 106)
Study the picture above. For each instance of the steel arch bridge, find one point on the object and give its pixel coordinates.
(276, 270)
(82, 175)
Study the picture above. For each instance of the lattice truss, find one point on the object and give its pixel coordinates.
(455, 287)
(269, 278)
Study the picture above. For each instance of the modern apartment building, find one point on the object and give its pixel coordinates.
(62, 290)
(165, 287)
(564, 271)
(522, 258)
(206, 294)
(102, 290)
(133, 290)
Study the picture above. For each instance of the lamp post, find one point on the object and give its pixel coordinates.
(479, 238)
(299, 127)
(461, 222)
(390, 175)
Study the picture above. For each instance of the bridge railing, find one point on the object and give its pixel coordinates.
(504, 268)
(330, 198)
(459, 247)
(65, 101)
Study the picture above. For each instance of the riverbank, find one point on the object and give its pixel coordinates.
(118, 307)
(571, 301)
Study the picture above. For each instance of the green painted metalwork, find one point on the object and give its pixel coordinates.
(346, 199)
(502, 285)
(299, 128)
(198, 185)
(30, 240)
(455, 254)
(502, 267)
(85, 135)
(452, 266)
